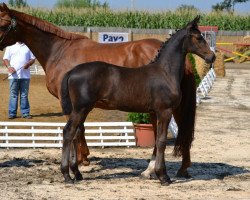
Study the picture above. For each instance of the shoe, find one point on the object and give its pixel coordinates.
(12, 117)
(27, 117)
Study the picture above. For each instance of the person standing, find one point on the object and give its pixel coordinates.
(18, 58)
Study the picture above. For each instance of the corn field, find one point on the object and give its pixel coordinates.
(138, 19)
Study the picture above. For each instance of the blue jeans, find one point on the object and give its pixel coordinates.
(19, 86)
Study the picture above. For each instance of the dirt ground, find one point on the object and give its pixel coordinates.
(220, 156)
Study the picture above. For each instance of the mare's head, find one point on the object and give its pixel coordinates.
(7, 27)
(195, 42)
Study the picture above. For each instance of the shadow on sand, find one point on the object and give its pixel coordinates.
(198, 171)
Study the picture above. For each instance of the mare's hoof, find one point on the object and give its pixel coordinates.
(184, 174)
(166, 182)
(86, 162)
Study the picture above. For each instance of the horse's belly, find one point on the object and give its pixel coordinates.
(122, 106)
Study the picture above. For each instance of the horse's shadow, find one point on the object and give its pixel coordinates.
(58, 114)
(20, 162)
(133, 168)
(198, 170)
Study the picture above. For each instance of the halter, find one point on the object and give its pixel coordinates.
(6, 30)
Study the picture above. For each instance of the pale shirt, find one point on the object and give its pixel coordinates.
(18, 55)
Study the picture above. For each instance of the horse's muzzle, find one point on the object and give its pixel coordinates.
(210, 59)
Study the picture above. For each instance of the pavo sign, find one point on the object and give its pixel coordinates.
(112, 37)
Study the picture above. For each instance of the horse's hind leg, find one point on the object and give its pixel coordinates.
(74, 150)
(68, 135)
(69, 132)
(74, 153)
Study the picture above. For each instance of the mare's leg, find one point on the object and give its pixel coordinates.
(74, 155)
(69, 132)
(151, 166)
(82, 149)
(164, 118)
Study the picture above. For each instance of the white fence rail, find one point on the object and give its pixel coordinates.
(36, 134)
(205, 85)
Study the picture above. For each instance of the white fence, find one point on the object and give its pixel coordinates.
(205, 85)
(34, 134)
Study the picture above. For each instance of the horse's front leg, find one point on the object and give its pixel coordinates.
(163, 119)
(151, 166)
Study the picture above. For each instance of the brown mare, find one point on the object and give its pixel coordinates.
(59, 51)
(156, 87)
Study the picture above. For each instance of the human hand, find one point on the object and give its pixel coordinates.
(12, 70)
(26, 66)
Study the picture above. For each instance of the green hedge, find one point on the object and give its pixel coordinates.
(137, 19)
(196, 75)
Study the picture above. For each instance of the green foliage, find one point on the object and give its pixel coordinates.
(187, 8)
(137, 19)
(139, 118)
(81, 4)
(18, 3)
(196, 75)
(227, 5)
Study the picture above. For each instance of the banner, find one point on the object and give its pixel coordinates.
(112, 37)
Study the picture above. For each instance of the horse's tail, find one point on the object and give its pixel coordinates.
(65, 98)
(186, 121)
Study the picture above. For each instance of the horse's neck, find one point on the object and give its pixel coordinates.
(41, 44)
(172, 58)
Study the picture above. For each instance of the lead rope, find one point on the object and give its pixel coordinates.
(12, 25)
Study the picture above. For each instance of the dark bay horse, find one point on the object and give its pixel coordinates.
(59, 51)
(154, 88)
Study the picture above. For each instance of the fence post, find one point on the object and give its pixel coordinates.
(33, 137)
(126, 134)
(6, 135)
(100, 128)
(59, 135)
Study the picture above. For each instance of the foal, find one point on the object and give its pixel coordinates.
(153, 88)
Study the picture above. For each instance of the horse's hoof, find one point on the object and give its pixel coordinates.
(79, 177)
(184, 174)
(86, 162)
(166, 182)
(145, 175)
(69, 181)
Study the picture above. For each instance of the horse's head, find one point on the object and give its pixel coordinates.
(195, 42)
(7, 27)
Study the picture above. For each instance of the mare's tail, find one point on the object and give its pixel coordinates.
(65, 98)
(186, 121)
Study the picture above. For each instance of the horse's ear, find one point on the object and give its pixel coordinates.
(4, 8)
(194, 23)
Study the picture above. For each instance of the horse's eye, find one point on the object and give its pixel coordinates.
(199, 38)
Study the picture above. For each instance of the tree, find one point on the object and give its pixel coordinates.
(189, 8)
(81, 4)
(18, 3)
(227, 5)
